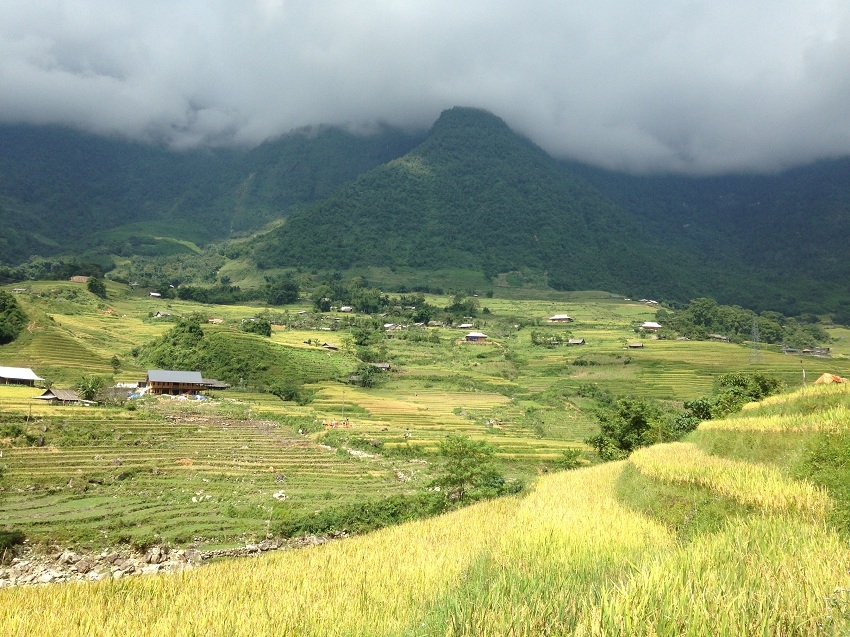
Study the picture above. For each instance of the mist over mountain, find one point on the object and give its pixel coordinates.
(470, 195)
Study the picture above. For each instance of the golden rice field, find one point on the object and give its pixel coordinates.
(568, 559)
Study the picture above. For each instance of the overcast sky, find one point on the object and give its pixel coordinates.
(700, 86)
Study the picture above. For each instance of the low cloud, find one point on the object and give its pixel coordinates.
(695, 87)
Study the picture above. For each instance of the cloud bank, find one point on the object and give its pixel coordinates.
(693, 86)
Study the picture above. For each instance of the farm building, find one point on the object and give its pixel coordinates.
(61, 397)
(475, 337)
(635, 345)
(79, 279)
(384, 367)
(212, 383)
(561, 318)
(164, 381)
(650, 326)
(576, 341)
(18, 376)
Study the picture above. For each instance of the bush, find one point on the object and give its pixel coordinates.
(10, 539)
(362, 516)
(259, 326)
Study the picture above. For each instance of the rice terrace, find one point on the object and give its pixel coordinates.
(515, 463)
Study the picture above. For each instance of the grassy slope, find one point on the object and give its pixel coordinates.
(586, 552)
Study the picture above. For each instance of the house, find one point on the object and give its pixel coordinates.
(384, 367)
(636, 345)
(330, 346)
(62, 397)
(212, 383)
(346, 308)
(718, 337)
(475, 337)
(164, 381)
(561, 318)
(18, 376)
(156, 295)
(79, 279)
(465, 326)
(576, 341)
(651, 326)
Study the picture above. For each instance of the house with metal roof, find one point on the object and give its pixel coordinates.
(62, 397)
(475, 337)
(165, 381)
(18, 376)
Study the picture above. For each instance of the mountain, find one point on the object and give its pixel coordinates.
(474, 195)
(64, 191)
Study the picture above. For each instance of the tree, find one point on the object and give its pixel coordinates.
(88, 386)
(259, 325)
(468, 471)
(97, 287)
(13, 319)
(630, 423)
(281, 290)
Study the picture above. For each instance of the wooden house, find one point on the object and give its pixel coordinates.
(164, 381)
(62, 397)
(576, 341)
(635, 345)
(561, 318)
(18, 376)
(475, 337)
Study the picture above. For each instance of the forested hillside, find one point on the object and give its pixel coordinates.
(64, 192)
(476, 196)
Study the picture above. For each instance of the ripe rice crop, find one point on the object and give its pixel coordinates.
(750, 483)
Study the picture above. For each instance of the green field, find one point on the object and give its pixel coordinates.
(100, 475)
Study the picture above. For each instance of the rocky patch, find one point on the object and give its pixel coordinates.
(32, 569)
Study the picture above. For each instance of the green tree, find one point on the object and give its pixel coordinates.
(97, 287)
(259, 325)
(628, 424)
(468, 471)
(88, 386)
(281, 290)
(13, 319)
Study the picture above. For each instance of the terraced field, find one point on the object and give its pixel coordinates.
(134, 473)
(133, 476)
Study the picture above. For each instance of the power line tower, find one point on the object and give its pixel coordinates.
(755, 353)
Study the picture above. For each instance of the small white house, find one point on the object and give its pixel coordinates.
(475, 337)
(650, 326)
(561, 318)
